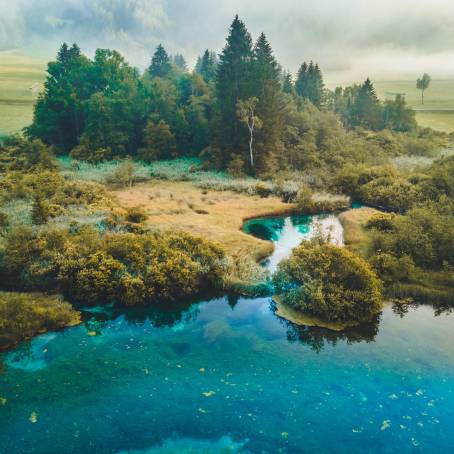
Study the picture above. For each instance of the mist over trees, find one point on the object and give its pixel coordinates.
(103, 108)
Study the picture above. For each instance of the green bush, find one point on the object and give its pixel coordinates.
(382, 222)
(88, 267)
(329, 282)
(24, 315)
(136, 215)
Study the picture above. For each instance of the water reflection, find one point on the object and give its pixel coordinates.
(158, 316)
(317, 338)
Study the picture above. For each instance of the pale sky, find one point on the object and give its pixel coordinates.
(351, 39)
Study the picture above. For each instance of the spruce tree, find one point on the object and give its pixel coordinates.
(366, 110)
(179, 63)
(160, 63)
(266, 78)
(287, 83)
(301, 80)
(207, 66)
(233, 83)
(309, 83)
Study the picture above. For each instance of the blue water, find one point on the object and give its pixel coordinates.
(227, 375)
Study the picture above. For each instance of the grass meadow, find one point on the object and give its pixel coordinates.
(438, 109)
(21, 80)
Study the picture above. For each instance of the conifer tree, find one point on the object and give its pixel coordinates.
(287, 83)
(233, 83)
(179, 62)
(301, 80)
(366, 110)
(207, 66)
(266, 75)
(309, 83)
(160, 63)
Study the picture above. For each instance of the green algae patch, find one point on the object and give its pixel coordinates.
(300, 318)
(24, 315)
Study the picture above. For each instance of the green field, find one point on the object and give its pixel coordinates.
(21, 80)
(438, 109)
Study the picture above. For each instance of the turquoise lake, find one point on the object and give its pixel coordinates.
(226, 375)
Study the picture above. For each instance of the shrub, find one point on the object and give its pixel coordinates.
(392, 269)
(123, 175)
(310, 202)
(24, 315)
(88, 267)
(391, 193)
(136, 215)
(329, 282)
(382, 222)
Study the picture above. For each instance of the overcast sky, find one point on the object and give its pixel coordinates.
(349, 38)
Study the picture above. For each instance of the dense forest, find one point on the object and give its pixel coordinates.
(238, 113)
(103, 108)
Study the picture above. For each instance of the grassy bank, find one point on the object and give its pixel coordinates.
(356, 237)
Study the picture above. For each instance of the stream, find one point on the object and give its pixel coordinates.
(227, 375)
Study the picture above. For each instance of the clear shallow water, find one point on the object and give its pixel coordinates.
(288, 232)
(227, 375)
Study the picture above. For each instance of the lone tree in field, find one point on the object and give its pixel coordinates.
(247, 115)
(423, 84)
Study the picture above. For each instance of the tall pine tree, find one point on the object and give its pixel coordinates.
(233, 83)
(207, 66)
(366, 110)
(266, 75)
(309, 83)
(160, 63)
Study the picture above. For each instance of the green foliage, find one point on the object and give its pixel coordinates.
(309, 83)
(136, 215)
(160, 63)
(25, 315)
(329, 282)
(89, 268)
(207, 66)
(423, 84)
(40, 211)
(158, 142)
(397, 116)
(382, 222)
(310, 202)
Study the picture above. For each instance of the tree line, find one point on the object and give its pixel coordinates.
(239, 111)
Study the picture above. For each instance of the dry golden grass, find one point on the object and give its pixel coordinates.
(355, 235)
(217, 216)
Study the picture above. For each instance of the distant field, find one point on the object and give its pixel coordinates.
(438, 109)
(21, 79)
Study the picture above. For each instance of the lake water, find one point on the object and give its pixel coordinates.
(227, 375)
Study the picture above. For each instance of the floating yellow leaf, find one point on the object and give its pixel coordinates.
(284, 434)
(91, 333)
(33, 417)
(202, 369)
(2, 401)
(209, 393)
